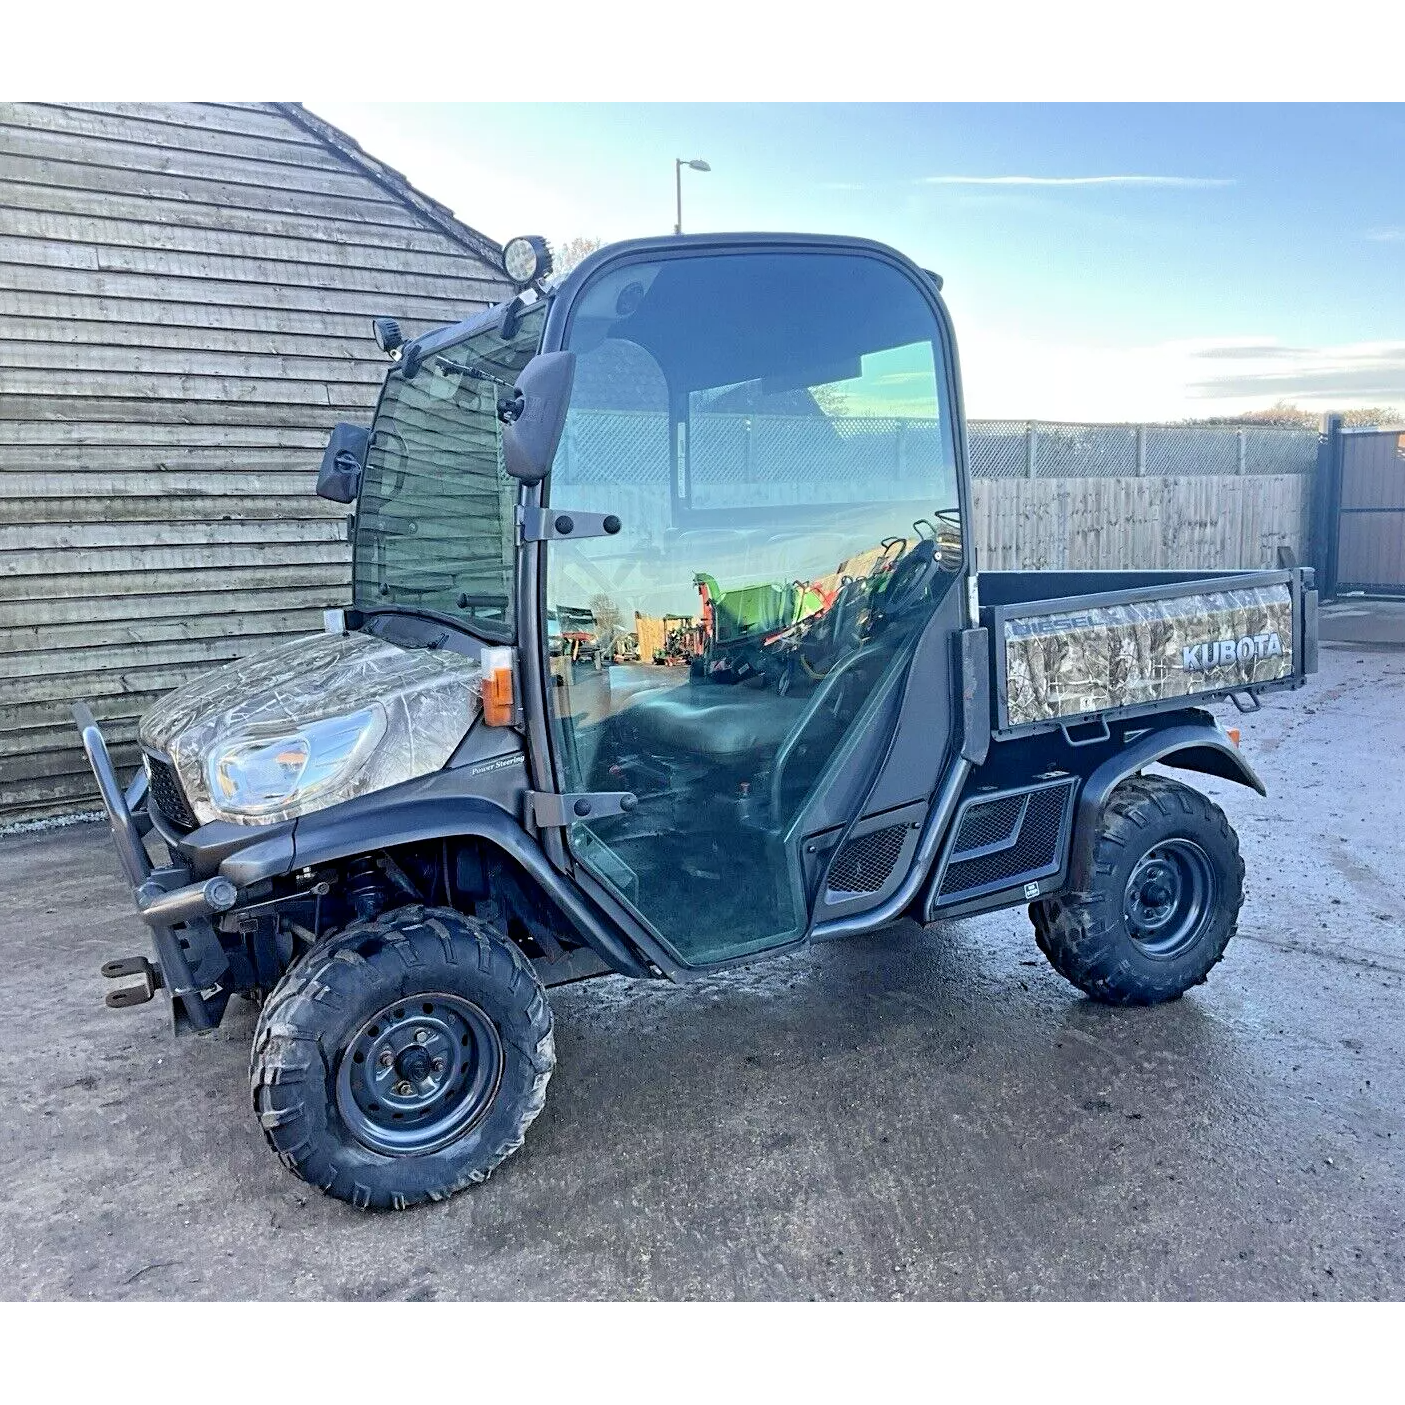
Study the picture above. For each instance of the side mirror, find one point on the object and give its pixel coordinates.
(537, 415)
(339, 479)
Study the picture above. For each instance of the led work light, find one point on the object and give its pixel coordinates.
(526, 259)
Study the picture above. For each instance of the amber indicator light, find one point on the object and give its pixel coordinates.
(497, 687)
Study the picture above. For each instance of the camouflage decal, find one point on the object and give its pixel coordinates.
(429, 699)
(1063, 664)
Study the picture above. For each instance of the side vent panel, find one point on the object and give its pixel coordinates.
(871, 863)
(1003, 841)
(990, 822)
(865, 865)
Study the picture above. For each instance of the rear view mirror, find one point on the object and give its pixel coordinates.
(537, 415)
(339, 479)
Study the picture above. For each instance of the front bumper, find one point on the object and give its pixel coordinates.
(190, 962)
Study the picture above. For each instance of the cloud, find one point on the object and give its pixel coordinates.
(1246, 351)
(1164, 182)
(1389, 234)
(1358, 371)
(1012, 377)
(1183, 182)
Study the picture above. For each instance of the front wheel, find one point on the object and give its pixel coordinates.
(1162, 901)
(402, 1060)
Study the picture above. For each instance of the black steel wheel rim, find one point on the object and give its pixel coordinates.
(419, 1074)
(1169, 898)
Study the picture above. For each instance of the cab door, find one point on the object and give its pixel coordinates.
(771, 429)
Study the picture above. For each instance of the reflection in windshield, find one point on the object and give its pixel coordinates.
(434, 524)
(793, 634)
(771, 431)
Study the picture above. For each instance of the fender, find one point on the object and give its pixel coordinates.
(1195, 746)
(341, 832)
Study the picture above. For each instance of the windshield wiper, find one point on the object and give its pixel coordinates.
(494, 629)
(473, 373)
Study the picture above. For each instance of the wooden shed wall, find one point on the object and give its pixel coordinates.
(185, 295)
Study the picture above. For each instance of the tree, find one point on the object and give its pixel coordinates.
(830, 398)
(1285, 415)
(566, 255)
(1370, 416)
(607, 618)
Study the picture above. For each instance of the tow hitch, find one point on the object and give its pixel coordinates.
(190, 960)
(129, 995)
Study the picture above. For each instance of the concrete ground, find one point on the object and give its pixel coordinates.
(915, 1114)
(1364, 621)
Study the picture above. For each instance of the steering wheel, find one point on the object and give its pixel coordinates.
(908, 582)
(887, 555)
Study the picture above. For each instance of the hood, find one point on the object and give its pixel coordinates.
(430, 698)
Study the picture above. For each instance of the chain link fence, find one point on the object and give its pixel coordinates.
(633, 447)
(614, 446)
(1032, 449)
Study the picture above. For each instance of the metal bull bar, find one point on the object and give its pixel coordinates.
(162, 907)
(125, 834)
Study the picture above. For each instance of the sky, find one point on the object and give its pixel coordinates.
(1102, 262)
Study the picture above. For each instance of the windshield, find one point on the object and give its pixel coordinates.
(726, 404)
(435, 527)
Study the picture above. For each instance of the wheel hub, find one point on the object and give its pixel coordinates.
(418, 1074)
(1169, 898)
(1158, 894)
(414, 1064)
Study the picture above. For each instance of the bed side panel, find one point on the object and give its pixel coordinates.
(1071, 658)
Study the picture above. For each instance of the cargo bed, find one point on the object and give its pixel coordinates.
(1076, 648)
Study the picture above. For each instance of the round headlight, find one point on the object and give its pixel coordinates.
(526, 259)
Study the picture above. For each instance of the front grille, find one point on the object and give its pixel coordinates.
(1036, 850)
(864, 865)
(166, 792)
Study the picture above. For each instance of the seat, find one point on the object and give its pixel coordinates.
(720, 723)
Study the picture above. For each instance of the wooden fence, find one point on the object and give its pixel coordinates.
(1202, 521)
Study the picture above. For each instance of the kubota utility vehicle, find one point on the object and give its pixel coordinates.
(396, 835)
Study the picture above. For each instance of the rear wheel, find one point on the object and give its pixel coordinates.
(1162, 901)
(403, 1059)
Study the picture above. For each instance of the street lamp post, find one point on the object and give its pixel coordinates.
(678, 164)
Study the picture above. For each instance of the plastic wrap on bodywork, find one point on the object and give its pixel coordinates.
(430, 697)
(1070, 662)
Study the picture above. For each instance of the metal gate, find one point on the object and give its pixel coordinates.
(1364, 538)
